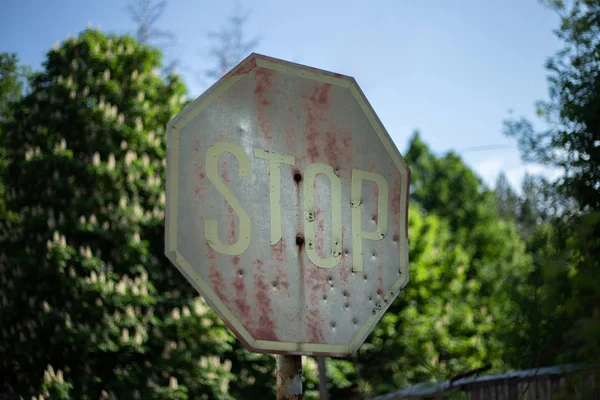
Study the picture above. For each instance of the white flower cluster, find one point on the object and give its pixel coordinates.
(57, 241)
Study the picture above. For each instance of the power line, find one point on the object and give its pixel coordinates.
(488, 147)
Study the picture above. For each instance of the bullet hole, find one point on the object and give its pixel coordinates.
(240, 272)
(396, 238)
(365, 277)
(347, 305)
(325, 298)
(346, 252)
(297, 177)
(336, 171)
(355, 320)
(299, 241)
(275, 284)
(333, 324)
(345, 293)
(370, 298)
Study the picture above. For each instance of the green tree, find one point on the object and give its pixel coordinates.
(508, 200)
(572, 112)
(12, 83)
(567, 251)
(453, 315)
(89, 306)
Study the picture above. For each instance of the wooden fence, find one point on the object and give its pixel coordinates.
(551, 383)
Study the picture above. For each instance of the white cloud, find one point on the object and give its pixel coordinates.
(514, 169)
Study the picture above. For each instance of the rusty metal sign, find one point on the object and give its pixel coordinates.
(287, 207)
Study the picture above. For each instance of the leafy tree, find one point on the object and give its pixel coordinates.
(11, 88)
(11, 82)
(567, 260)
(89, 306)
(456, 311)
(508, 200)
(573, 110)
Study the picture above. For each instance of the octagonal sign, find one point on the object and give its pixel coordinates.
(287, 207)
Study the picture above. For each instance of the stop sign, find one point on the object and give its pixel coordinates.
(287, 207)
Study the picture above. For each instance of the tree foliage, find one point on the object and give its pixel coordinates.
(12, 83)
(452, 316)
(572, 141)
(90, 307)
(564, 287)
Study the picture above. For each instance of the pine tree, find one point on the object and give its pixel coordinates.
(90, 307)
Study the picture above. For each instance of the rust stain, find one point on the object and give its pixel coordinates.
(216, 279)
(338, 149)
(320, 94)
(316, 107)
(210, 252)
(262, 85)
(312, 137)
(232, 233)
(199, 186)
(317, 282)
(331, 148)
(319, 232)
(282, 280)
(279, 255)
(320, 238)
(266, 325)
(246, 68)
(345, 268)
(225, 173)
(232, 236)
(236, 260)
(196, 145)
(296, 176)
(396, 193)
(313, 326)
(346, 263)
(278, 252)
(239, 284)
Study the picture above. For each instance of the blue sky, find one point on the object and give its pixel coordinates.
(451, 69)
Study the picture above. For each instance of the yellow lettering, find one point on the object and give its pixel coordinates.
(382, 213)
(336, 215)
(275, 161)
(210, 225)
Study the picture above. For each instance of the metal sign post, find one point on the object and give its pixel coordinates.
(289, 377)
(286, 208)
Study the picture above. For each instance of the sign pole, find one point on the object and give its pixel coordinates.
(324, 392)
(289, 377)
